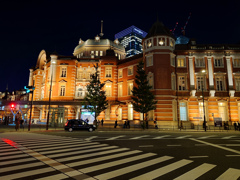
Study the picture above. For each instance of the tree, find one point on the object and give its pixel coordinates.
(143, 98)
(95, 100)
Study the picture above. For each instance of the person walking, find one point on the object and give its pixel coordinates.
(125, 124)
(102, 121)
(116, 123)
(128, 124)
(235, 126)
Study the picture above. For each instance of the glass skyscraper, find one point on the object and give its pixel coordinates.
(131, 39)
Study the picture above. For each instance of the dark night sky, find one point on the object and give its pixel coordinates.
(28, 26)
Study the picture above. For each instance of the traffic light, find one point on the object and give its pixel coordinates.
(29, 89)
(12, 106)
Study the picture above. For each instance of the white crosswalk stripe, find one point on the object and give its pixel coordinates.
(161, 137)
(116, 137)
(139, 137)
(196, 172)
(46, 157)
(230, 174)
(163, 170)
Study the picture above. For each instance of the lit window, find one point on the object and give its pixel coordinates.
(201, 112)
(130, 112)
(120, 73)
(236, 63)
(130, 88)
(161, 42)
(237, 83)
(181, 83)
(108, 90)
(108, 72)
(64, 72)
(183, 111)
(220, 83)
(130, 71)
(149, 60)
(200, 83)
(101, 53)
(218, 62)
(96, 53)
(200, 62)
(120, 90)
(62, 91)
(181, 62)
(149, 44)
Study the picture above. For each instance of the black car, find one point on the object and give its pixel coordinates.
(78, 124)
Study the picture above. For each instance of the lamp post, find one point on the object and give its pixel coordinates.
(204, 119)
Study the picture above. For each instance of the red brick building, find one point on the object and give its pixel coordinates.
(181, 75)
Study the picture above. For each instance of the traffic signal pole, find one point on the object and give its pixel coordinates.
(30, 118)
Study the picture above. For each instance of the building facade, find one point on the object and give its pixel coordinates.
(188, 80)
(131, 39)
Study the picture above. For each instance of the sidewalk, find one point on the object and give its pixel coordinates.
(110, 127)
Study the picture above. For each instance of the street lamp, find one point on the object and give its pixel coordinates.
(204, 119)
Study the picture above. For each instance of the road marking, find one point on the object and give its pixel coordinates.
(27, 173)
(12, 168)
(215, 145)
(160, 137)
(230, 174)
(201, 145)
(205, 137)
(57, 176)
(51, 144)
(139, 137)
(233, 155)
(79, 152)
(182, 137)
(76, 148)
(90, 138)
(15, 156)
(115, 163)
(163, 170)
(115, 137)
(79, 163)
(90, 155)
(17, 161)
(196, 172)
(145, 146)
(192, 157)
(232, 144)
(228, 137)
(129, 169)
(174, 145)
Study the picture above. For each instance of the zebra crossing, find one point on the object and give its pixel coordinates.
(53, 157)
(141, 137)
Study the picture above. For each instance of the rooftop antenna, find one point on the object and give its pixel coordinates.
(183, 29)
(101, 34)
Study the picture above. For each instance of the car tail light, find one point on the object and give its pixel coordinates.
(66, 123)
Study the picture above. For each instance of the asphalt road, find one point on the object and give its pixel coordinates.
(212, 155)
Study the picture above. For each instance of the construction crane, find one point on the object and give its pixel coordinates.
(183, 29)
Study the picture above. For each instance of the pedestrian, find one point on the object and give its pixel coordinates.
(17, 122)
(238, 126)
(87, 120)
(102, 121)
(128, 124)
(155, 124)
(98, 122)
(116, 123)
(235, 126)
(125, 124)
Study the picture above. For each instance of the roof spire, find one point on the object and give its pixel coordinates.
(101, 34)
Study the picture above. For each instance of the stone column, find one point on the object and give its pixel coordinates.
(191, 74)
(230, 76)
(30, 82)
(210, 77)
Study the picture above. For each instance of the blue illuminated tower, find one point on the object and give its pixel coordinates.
(131, 39)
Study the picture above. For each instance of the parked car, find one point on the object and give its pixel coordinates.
(78, 124)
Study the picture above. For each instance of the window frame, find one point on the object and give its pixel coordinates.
(108, 72)
(130, 69)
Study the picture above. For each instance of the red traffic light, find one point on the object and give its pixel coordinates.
(12, 106)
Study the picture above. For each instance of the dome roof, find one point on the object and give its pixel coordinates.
(106, 42)
(158, 28)
(182, 40)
